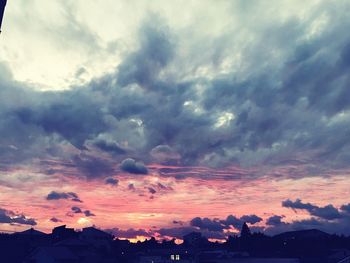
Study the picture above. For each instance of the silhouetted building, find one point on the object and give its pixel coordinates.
(52, 255)
(222, 256)
(97, 238)
(177, 255)
(92, 245)
(83, 250)
(219, 256)
(62, 232)
(32, 237)
(195, 239)
(339, 255)
(265, 260)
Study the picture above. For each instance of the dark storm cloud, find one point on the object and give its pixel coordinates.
(333, 227)
(297, 204)
(180, 232)
(131, 166)
(10, 217)
(88, 213)
(151, 190)
(209, 228)
(238, 222)
(327, 218)
(72, 114)
(232, 221)
(217, 225)
(109, 146)
(163, 188)
(112, 181)
(251, 219)
(63, 195)
(143, 66)
(328, 212)
(129, 233)
(55, 220)
(290, 96)
(76, 210)
(178, 222)
(206, 223)
(274, 220)
(92, 166)
(221, 229)
(346, 208)
(176, 232)
(164, 153)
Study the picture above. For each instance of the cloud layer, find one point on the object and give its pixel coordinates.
(10, 217)
(245, 115)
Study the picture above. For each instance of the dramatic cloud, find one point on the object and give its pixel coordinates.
(62, 195)
(151, 190)
(131, 166)
(180, 232)
(76, 210)
(160, 105)
(10, 217)
(238, 222)
(217, 225)
(176, 232)
(88, 213)
(297, 204)
(130, 233)
(112, 181)
(328, 212)
(251, 219)
(109, 146)
(327, 218)
(93, 166)
(206, 223)
(164, 153)
(162, 187)
(143, 66)
(274, 220)
(346, 208)
(55, 220)
(178, 222)
(209, 228)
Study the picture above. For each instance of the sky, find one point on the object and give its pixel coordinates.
(158, 118)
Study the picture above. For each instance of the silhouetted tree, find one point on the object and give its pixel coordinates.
(232, 243)
(245, 231)
(245, 237)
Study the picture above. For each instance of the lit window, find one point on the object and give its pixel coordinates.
(172, 257)
(177, 257)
